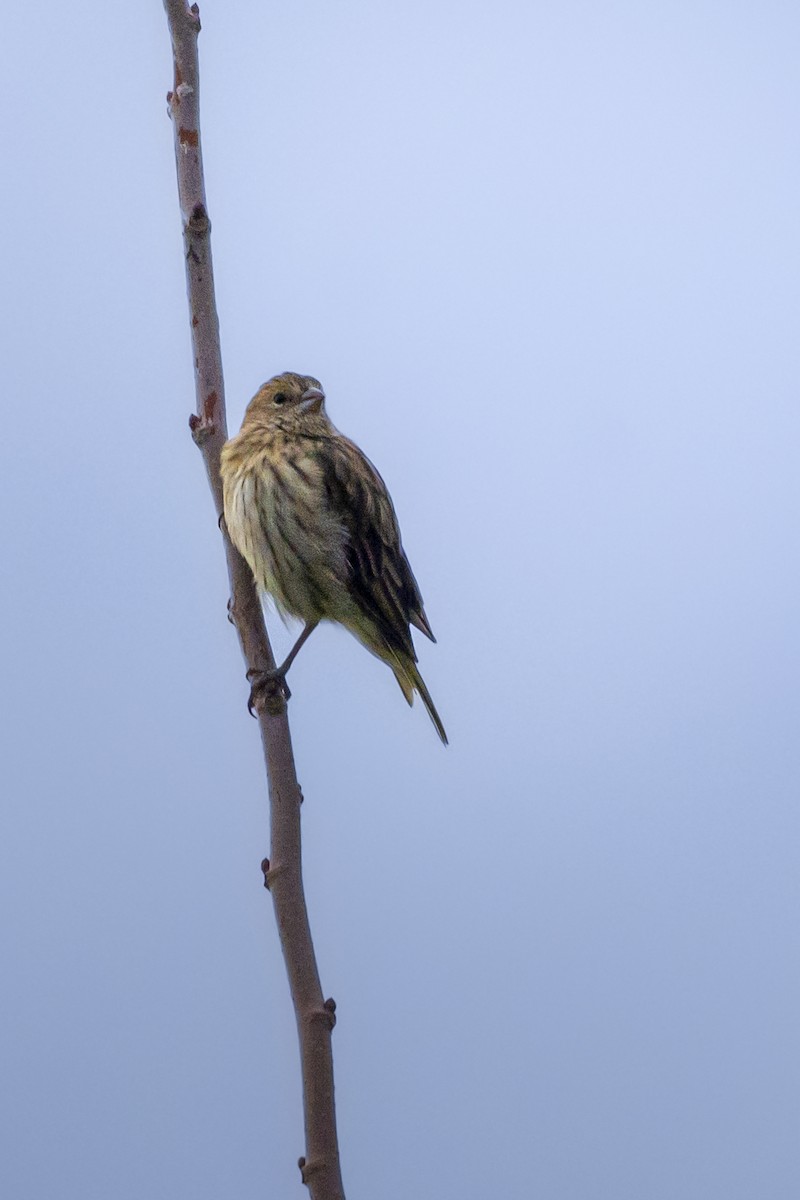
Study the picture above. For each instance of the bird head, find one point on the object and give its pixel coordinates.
(287, 400)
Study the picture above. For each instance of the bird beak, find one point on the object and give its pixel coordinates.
(312, 400)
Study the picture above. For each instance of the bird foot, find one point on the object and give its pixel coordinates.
(268, 689)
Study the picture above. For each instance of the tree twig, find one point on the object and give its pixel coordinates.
(283, 874)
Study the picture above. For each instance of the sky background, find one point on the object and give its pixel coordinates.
(545, 259)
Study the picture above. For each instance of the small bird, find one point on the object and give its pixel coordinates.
(313, 519)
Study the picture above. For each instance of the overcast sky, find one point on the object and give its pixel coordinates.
(545, 259)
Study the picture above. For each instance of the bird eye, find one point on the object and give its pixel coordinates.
(280, 398)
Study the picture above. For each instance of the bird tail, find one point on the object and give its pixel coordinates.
(410, 680)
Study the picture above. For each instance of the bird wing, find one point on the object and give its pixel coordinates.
(380, 578)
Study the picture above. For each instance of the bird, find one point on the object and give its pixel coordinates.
(314, 521)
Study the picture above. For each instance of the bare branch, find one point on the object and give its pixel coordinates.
(283, 875)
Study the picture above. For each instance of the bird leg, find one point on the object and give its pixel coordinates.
(273, 683)
(292, 655)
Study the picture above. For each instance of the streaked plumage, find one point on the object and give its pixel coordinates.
(314, 521)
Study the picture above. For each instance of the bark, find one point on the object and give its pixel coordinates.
(283, 871)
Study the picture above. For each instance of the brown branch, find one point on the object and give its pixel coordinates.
(315, 1018)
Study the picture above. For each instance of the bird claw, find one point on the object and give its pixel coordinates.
(268, 689)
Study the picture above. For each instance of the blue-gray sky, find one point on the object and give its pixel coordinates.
(545, 259)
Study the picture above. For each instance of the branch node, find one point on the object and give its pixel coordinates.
(270, 873)
(269, 692)
(201, 428)
(198, 222)
(272, 703)
(330, 1012)
(204, 426)
(307, 1169)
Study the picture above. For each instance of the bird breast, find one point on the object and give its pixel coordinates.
(279, 519)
